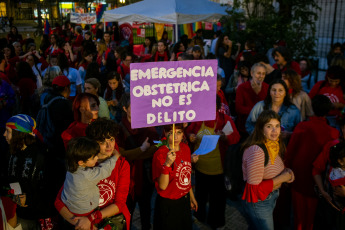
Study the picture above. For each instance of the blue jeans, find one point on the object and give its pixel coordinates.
(260, 214)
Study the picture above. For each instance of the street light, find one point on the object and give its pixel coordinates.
(123, 1)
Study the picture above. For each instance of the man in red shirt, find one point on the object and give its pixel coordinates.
(283, 58)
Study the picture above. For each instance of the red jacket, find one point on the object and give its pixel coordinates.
(246, 98)
(221, 120)
(293, 65)
(305, 145)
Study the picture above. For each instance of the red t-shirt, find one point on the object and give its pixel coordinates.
(76, 129)
(180, 175)
(123, 70)
(293, 65)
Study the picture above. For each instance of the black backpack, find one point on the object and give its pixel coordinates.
(45, 124)
(233, 169)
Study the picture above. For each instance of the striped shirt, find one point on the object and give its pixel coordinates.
(254, 170)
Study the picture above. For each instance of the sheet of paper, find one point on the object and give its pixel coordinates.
(16, 187)
(208, 144)
(227, 130)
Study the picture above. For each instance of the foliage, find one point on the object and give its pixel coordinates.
(293, 21)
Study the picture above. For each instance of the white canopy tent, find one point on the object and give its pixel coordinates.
(167, 11)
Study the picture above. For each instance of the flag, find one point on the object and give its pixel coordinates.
(46, 27)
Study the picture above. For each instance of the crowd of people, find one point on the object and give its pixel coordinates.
(72, 161)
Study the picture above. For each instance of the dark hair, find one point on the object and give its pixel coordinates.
(294, 80)
(125, 100)
(77, 102)
(19, 139)
(24, 70)
(184, 56)
(334, 46)
(177, 47)
(101, 129)
(12, 32)
(125, 55)
(59, 89)
(258, 137)
(168, 128)
(86, 53)
(220, 43)
(218, 102)
(63, 63)
(268, 99)
(336, 153)
(334, 72)
(95, 83)
(152, 41)
(80, 149)
(119, 89)
(284, 52)
(10, 46)
(92, 71)
(251, 44)
(45, 43)
(260, 57)
(309, 66)
(321, 105)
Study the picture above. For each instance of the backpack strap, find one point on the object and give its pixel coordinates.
(52, 100)
(309, 80)
(263, 147)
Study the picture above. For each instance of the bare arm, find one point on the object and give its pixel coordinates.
(67, 215)
(163, 179)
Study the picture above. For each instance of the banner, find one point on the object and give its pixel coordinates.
(172, 92)
(159, 30)
(141, 33)
(87, 18)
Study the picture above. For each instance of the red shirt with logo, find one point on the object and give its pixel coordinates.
(180, 175)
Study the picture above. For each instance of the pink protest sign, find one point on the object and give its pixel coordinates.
(172, 92)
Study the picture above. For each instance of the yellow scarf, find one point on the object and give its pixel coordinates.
(273, 149)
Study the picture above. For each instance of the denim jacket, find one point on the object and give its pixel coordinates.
(290, 117)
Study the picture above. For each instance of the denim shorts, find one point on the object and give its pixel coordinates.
(260, 214)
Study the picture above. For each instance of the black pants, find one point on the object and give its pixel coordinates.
(211, 189)
(172, 214)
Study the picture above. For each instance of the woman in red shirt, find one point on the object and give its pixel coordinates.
(263, 171)
(171, 172)
(113, 190)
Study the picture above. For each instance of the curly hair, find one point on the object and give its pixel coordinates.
(102, 129)
(19, 140)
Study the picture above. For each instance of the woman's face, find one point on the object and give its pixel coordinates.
(117, 55)
(161, 47)
(30, 60)
(272, 130)
(244, 71)
(52, 40)
(66, 46)
(113, 84)
(226, 40)
(177, 137)
(89, 58)
(106, 148)
(89, 108)
(277, 93)
(259, 74)
(181, 48)
(13, 30)
(97, 47)
(90, 89)
(8, 135)
(286, 81)
(7, 52)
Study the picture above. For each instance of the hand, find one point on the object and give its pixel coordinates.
(326, 196)
(221, 134)
(104, 61)
(288, 175)
(194, 158)
(83, 223)
(339, 190)
(145, 145)
(192, 138)
(193, 204)
(171, 157)
(338, 105)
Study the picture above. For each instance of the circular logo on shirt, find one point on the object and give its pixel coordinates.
(183, 174)
(106, 191)
(333, 98)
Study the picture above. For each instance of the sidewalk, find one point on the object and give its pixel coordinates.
(233, 218)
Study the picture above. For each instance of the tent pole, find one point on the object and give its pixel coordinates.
(103, 25)
(176, 33)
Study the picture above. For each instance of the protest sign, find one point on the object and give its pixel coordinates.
(87, 18)
(172, 92)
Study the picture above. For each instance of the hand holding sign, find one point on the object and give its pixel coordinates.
(171, 157)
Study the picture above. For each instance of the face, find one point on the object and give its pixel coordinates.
(8, 135)
(337, 50)
(17, 48)
(258, 74)
(89, 58)
(219, 85)
(279, 58)
(30, 60)
(7, 52)
(303, 65)
(277, 93)
(178, 136)
(97, 47)
(90, 89)
(196, 54)
(333, 83)
(106, 37)
(181, 48)
(89, 108)
(113, 84)
(66, 46)
(161, 47)
(13, 30)
(53, 61)
(32, 48)
(87, 37)
(147, 42)
(52, 40)
(286, 80)
(272, 130)
(244, 71)
(91, 162)
(106, 147)
(127, 61)
(116, 55)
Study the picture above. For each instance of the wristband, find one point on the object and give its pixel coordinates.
(95, 217)
(166, 170)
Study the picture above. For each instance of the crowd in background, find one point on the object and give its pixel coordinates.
(65, 113)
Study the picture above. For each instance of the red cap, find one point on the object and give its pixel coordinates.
(61, 80)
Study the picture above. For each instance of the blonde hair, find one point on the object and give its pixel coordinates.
(102, 47)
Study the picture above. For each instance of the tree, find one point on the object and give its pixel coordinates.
(290, 20)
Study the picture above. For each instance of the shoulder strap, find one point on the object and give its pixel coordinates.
(122, 70)
(309, 79)
(263, 147)
(52, 100)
